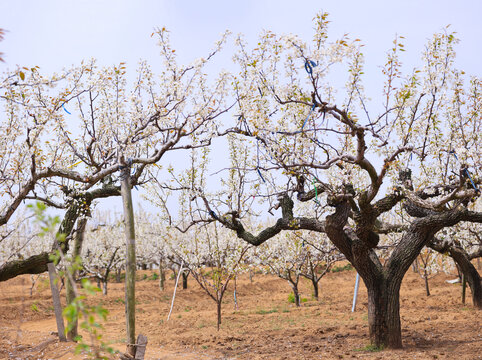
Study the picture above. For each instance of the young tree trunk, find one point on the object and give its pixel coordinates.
(415, 266)
(218, 307)
(185, 274)
(70, 292)
(104, 286)
(464, 286)
(118, 276)
(162, 277)
(32, 282)
(234, 293)
(56, 300)
(315, 288)
(425, 276)
(130, 260)
(296, 293)
(97, 280)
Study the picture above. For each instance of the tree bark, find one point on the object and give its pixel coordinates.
(218, 308)
(315, 288)
(296, 293)
(463, 262)
(382, 282)
(384, 315)
(37, 264)
(185, 274)
(104, 286)
(69, 287)
(464, 286)
(56, 300)
(425, 277)
(162, 276)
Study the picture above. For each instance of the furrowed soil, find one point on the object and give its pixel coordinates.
(265, 326)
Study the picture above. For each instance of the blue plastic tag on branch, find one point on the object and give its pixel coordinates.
(257, 156)
(63, 107)
(472, 181)
(453, 152)
(260, 175)
(213, 214)
(466, 171)
(309, 114)
(309, 65)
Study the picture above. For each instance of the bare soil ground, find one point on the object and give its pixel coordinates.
(266, 326)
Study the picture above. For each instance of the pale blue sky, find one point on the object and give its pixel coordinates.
(58, 33)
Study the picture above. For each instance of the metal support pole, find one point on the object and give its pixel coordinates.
(357, 283)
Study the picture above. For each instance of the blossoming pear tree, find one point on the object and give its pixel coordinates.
(66, 136)
(417, 145)
(62, 135)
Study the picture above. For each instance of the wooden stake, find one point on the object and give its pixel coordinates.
(56, 301)
(130, 259)
(141, 347)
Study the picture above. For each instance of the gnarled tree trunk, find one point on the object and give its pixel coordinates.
(384, 313)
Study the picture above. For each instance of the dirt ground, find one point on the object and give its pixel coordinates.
(266, 326)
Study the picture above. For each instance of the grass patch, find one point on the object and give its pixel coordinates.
(154, 276)
(370, 348)
(291, 298)
(264, 312)
(346, 267)
(34, 307)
